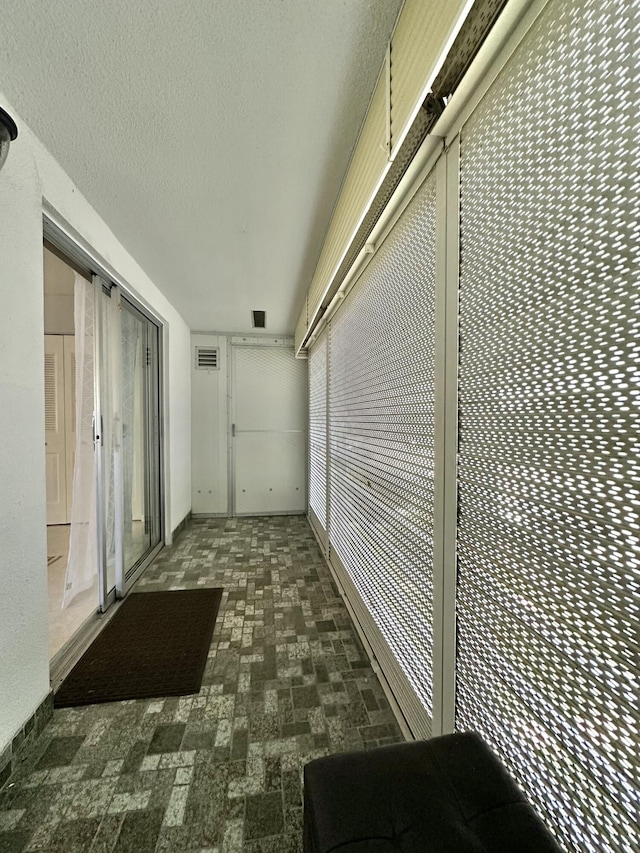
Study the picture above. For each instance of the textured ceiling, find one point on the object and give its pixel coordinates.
(212, 135)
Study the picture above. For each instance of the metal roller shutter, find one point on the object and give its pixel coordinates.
(549, 453)
(381, 414)
(318, 430)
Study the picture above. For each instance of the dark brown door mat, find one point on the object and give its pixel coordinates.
(156, 645)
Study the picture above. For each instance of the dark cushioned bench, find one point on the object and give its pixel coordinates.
(446, 795)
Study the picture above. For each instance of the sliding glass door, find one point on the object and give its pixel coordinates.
(103, 402)
(128, 402)
(140, 438)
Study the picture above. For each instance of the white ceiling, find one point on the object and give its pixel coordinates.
(212, 135)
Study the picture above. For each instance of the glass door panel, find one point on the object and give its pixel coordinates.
(140, 445)
(129, 420)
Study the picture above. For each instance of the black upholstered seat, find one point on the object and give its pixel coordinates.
(446, 795)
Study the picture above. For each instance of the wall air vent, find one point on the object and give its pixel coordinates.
(207, 358)
(259, 319)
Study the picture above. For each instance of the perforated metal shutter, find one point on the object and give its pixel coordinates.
(318, 429)
(549, 454)
(381, 411)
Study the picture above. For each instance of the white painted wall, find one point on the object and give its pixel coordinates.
(30, 178)
(24, 653)
(209, 472)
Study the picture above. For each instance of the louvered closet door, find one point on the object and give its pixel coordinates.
(318, 433)
(549, 454)
(381, 415)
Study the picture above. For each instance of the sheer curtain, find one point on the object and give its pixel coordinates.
(82, 564)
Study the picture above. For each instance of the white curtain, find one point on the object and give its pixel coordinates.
(82, 565)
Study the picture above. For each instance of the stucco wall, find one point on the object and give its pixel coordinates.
(31, 178)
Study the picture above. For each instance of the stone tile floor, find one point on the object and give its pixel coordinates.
(286, 681)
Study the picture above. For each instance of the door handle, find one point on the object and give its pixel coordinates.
(233, 430)
(97, 431)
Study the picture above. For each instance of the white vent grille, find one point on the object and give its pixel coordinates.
(381, 411)
(50, 392)
(318, 430)
(549, 452)
(207, 358)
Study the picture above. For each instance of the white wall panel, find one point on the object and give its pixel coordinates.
(269, 392)
(209, 409)
(270, 472)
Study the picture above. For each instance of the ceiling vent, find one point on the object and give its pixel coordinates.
(259, 319)
(207, 358)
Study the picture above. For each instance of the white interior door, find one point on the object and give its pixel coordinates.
(55, 438)
(269, 430)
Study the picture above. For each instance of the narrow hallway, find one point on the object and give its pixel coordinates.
(286, 681)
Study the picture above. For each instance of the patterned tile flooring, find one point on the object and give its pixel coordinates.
(286, 681)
